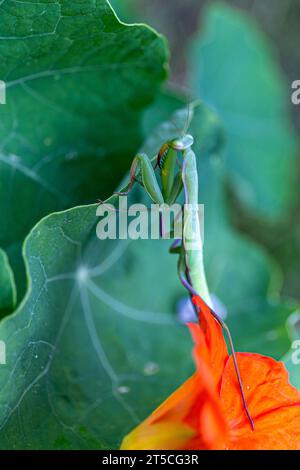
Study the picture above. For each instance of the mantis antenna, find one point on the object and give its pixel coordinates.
(182, 132)
(188, 119)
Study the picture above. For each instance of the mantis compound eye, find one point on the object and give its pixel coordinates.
(183, 143)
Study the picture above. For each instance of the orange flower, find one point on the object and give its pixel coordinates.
(207, 411)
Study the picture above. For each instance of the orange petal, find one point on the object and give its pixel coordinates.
(273, 402)
(215, 344)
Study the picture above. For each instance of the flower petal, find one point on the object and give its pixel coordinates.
(215, 344)
(273, 402)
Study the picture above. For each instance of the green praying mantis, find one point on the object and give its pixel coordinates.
(178, 173)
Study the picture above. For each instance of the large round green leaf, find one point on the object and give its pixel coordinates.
(95, 345)
(77, 81)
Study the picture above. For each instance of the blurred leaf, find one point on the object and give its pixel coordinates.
(77, 81)
(234, 69)
(7, 286)
(162, 109)
(240, 272)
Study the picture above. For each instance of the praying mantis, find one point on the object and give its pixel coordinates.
(178, 173)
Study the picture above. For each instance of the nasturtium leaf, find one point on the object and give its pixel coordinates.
(95, 346)
(7, 286)
(234, 69)
(77, 81)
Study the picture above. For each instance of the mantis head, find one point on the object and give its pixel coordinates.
(183, 143)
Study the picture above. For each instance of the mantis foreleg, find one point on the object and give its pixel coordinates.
(192, 239)
(142, 162)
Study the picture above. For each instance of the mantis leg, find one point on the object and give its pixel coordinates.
(168, 168)
(142, 162)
